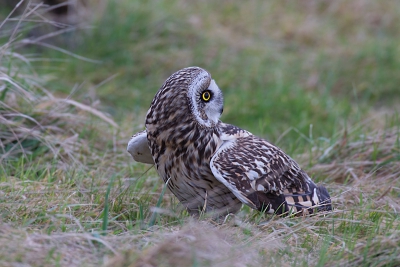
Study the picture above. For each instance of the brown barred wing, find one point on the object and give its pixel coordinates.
(263, 177)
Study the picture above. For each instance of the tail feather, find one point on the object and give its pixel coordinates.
(324, 199)
(309, 202)
(293, 201)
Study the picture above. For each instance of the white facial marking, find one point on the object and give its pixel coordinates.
(212, 109)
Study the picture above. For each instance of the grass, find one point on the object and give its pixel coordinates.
(319, 79)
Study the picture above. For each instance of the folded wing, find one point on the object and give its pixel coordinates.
(262, 176)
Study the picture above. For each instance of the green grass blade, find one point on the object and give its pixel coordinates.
(154, 214)
(104, 225)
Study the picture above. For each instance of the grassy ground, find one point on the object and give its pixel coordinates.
(320, 79)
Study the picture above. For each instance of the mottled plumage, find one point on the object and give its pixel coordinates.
(215, 167)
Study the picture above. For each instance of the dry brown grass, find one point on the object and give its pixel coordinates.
(59, 12)
(32, 118)
(202, 244)
(195, 243)
(21, 248)
(364, 228)
(367, 167)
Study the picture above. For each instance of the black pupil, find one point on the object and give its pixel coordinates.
(206, 95)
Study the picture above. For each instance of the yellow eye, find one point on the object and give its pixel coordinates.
(206, 95)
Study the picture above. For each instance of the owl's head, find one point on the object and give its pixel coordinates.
(205, 98)
(188, 93)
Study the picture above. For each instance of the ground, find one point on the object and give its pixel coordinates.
(317, 78)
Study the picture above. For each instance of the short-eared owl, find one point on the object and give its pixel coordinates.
(213, 166)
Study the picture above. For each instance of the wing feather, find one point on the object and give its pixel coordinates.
(261, 175)
(138, 147)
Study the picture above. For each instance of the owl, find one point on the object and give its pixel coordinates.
(214, 167)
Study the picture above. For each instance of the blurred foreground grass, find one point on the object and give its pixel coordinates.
(318, 78)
